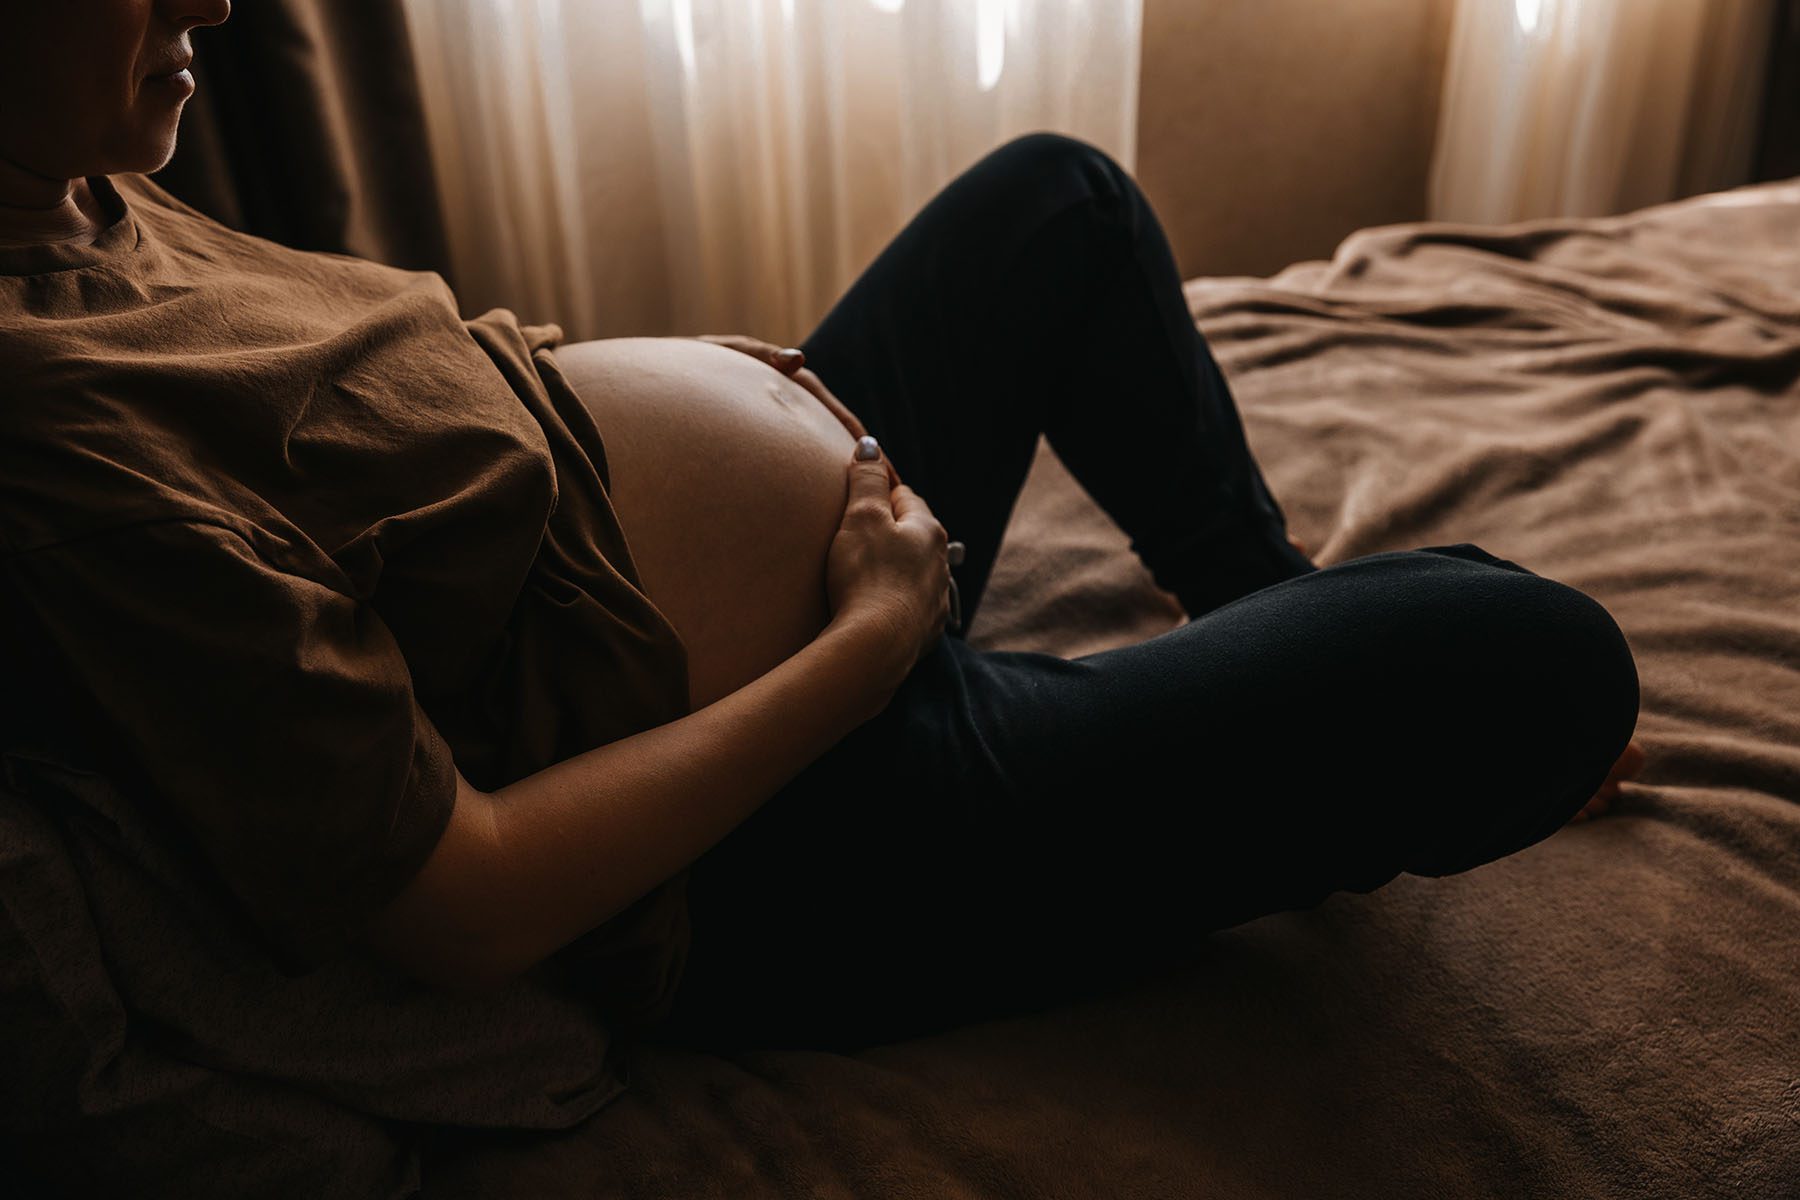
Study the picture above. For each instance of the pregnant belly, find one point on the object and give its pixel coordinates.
(729, 482)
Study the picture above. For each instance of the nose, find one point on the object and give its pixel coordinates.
(186, 14)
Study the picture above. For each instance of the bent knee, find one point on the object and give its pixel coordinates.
(1047, 171)
(1559, 642)
(1586, 689)
(1550, 689)
(1547, 645)
(1499, 649)
(1048, 149)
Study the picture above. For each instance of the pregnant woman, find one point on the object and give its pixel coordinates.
(483, 654)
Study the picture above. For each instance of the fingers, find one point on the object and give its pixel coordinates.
(910, 508)
(873, 499)
(809, 379)
(738, 342)
(786, 359)
(869, 480)
(791, 361)
(869, 489)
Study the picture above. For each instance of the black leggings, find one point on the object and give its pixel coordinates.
(1017, 827)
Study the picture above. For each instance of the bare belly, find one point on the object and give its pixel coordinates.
(729, 482)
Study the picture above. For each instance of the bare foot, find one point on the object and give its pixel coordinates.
(1629, 764)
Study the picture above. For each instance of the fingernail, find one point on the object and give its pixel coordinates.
(955, 551)
(789, 357)
(867, 448)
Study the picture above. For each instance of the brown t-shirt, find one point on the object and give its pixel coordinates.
(288, 537)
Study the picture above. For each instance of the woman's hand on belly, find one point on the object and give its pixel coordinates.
(728, 478)
(792, 363)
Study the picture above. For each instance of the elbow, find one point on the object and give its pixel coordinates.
(443, 954)
(445, 929)
(460, 971)
(443, 965)
(457, 967)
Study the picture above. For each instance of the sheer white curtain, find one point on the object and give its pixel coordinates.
(718, 166)
(1595, 107)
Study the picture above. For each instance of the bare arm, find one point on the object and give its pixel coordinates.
(526, 869)
(523, 871)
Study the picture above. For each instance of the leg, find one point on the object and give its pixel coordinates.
(1036, 293)
(1016, 826)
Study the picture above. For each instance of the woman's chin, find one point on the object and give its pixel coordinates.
(164, 150)
(154, 146)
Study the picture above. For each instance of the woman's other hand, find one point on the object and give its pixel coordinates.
(888, 568)
(791, 362)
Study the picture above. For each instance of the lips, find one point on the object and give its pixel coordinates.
(176, 68)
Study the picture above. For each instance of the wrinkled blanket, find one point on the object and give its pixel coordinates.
(1614, 1012)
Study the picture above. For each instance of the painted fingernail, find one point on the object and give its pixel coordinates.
(867, 448)
(789, 357)
(956, 550)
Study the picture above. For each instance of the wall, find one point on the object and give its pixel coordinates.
(1269, 129)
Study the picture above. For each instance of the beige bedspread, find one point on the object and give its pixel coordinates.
(1613, 1012)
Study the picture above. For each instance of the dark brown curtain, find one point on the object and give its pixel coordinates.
(1778, 155)
(307, 128)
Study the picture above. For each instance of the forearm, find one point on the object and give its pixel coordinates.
(577, 842)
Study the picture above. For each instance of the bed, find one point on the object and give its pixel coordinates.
(1614, 1012)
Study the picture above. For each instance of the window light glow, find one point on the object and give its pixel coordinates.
(1528, 12)
(682, 15)
(990, 42)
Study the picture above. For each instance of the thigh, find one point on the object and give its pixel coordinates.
(853, 906)
(1016, 826)
(941, 345)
